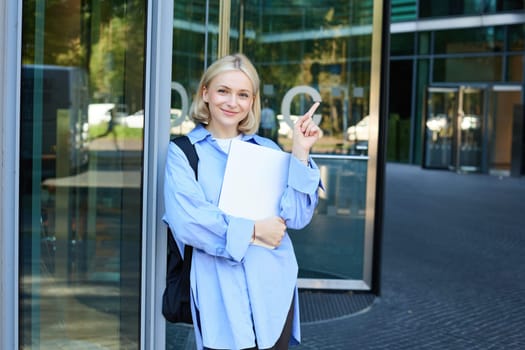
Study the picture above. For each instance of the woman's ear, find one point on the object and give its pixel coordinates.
(205, 94)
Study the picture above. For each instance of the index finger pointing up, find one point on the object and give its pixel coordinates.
(312, 109)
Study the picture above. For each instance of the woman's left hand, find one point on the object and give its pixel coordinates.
(305, 134)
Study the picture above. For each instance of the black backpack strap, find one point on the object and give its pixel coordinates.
(189, 150)
(176, 296)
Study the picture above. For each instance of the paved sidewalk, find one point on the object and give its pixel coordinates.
(453, 272)
(453, 268)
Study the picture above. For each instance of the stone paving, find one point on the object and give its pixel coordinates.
(453, 269)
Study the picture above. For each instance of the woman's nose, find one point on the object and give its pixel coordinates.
(232, 100)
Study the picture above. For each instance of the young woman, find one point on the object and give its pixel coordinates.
(244, 296)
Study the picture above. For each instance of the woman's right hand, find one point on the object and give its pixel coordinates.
(270, 231)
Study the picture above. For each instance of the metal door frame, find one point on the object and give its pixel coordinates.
(10, 48)
(157, 92)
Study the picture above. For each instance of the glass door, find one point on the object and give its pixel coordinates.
(81, 153)
(440, 115)
(469, 130)
(454, 119)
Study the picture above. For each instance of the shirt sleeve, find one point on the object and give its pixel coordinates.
(194, 220)
(301, 195)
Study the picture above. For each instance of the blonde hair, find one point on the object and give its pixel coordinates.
(200, 113)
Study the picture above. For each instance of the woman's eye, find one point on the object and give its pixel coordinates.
(244, 96)
(222, 91)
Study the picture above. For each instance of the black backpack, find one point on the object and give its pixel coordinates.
(176, 297)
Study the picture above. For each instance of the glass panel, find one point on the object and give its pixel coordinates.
(470, 126)
(440, 115)
(195, 41)
(424, 43)
(81, 160)
(487, 39)
(494, 6)
(402, 44)
(467, 7)
(516, 38)
(323, 49)
(337, 68)
(515, 68)
(422, 81)
(468, 69)
(398, 141)
(502, 112)
(331, 246)
(450, 7)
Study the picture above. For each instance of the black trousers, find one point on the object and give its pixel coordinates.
(284, 338)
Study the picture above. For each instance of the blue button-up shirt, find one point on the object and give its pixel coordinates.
(241, 291)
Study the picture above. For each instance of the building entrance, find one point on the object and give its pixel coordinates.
(471, 128)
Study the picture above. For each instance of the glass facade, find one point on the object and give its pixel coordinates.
(429, 8)
(86, 84)
(82, 81)
(465, 41)
(456, 92)
(461, 45)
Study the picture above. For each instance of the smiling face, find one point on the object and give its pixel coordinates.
(230, 98)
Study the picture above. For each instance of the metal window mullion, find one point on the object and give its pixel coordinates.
(10, 49)
(157, 95)
(375, 166)
(224, 28)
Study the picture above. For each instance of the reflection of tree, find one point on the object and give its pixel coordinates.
(52, 32)
(74, 56)
(108, 58)
(332, 65)
(104, 38)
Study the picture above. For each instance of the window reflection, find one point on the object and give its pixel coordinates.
(441, 110)
(464, 7)
(323, 46)
(468, 69)
(516, 37)
(331, 246)
(487, 39)
(81, 160)
(302, 53)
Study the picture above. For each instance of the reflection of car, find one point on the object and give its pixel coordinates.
(178, 127)
(358, 136)
(99, 112)
(135, 120)
(359, 131)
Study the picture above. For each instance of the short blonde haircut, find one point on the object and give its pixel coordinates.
(200, 113)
